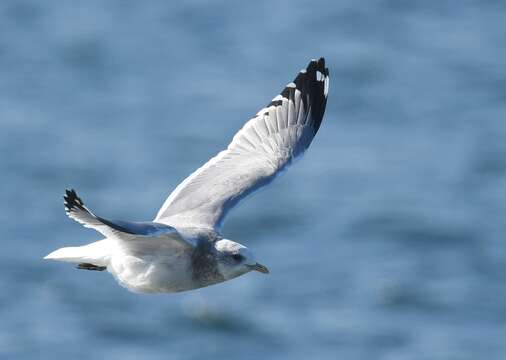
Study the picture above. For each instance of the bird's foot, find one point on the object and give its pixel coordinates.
(87, 266)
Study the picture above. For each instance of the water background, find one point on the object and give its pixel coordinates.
(387, 241)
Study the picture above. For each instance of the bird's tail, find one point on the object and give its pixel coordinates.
(97, 253)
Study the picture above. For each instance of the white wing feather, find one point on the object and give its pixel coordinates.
(264, 147)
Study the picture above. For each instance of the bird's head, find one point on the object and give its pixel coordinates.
(235, 259)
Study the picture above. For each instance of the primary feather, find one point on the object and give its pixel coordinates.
(266, 145)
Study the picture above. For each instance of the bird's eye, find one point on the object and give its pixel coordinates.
(237, 257)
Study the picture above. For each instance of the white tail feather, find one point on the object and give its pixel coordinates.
(97, 253)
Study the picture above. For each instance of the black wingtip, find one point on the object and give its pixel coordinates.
(321, 62)
(314, 82)
(72, 201)
(317, 65)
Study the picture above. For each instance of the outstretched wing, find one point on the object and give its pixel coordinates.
(265, 146)
(123, 230)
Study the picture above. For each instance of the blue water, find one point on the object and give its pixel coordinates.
(385, 242)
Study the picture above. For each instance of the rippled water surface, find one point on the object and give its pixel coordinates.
(385, 242)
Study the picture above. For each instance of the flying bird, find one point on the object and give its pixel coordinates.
(183, 247)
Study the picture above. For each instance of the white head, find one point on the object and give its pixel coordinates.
(235, 259)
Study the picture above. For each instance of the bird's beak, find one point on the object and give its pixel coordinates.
(260, 268)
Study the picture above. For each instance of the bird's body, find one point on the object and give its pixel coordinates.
(183, 249)
(165, 270)
(154, 269)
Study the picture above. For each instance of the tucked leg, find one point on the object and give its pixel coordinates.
(87, 266)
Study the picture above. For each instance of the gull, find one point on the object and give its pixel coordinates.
(183, 247)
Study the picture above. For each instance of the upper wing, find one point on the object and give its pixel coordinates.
(123, 230)
(265, 146)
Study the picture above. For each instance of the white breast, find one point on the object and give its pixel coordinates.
(153, 273)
